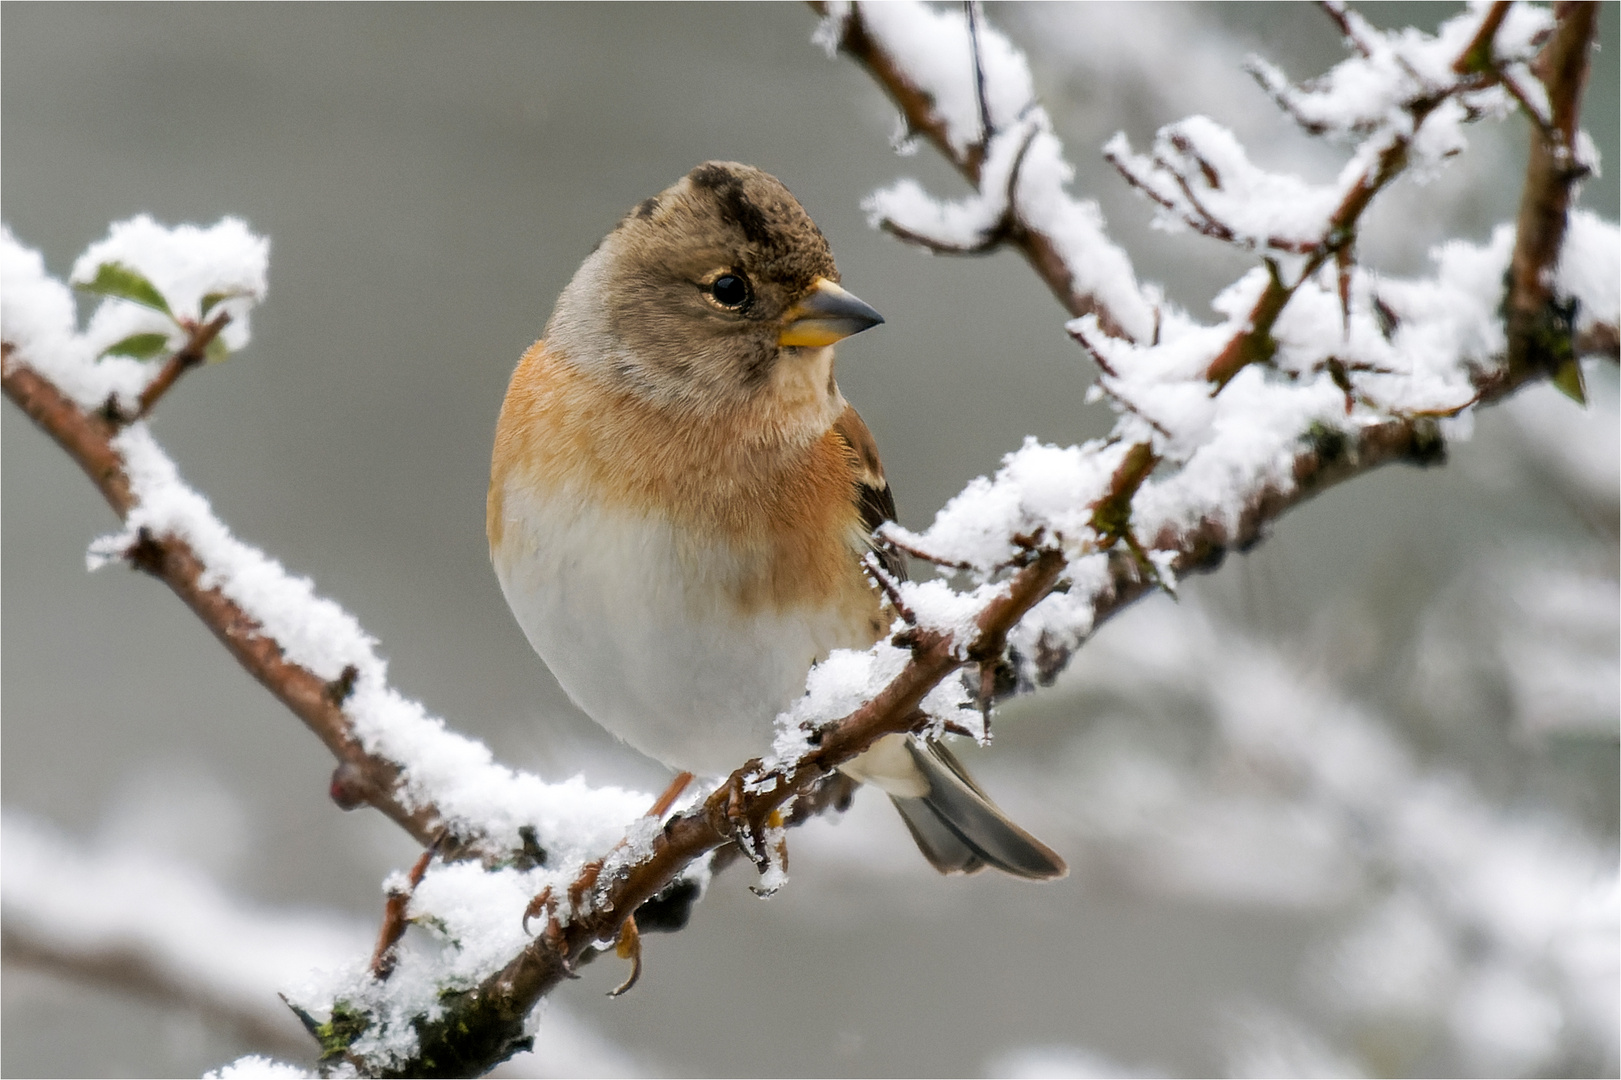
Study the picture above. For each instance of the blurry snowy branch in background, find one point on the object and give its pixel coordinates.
(132, 917)
(1218, 767)
(1319, 370)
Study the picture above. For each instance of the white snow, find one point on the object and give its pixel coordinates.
(1406, 347)
(1201, 170)
(1589, 270)
(124, 897)
(932, 46)
(258, 1067)
(185, 264)
(477, 912)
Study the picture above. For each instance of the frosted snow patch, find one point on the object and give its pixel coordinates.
(187, 263)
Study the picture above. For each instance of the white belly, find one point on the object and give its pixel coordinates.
(632, 620)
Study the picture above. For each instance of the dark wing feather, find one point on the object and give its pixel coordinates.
(872, 495)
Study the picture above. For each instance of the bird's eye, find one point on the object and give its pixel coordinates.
(730, 290)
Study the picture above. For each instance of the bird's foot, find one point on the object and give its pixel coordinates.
(628, 946)
(546, 904)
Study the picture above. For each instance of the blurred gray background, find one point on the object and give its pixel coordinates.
(429, 176)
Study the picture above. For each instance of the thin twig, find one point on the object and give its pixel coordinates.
(986, 131)
(193, 353)
(1039, 249)
(1346, 20)
(1477, 55)
(875, 569)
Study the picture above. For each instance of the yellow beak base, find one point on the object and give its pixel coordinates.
(826, 315)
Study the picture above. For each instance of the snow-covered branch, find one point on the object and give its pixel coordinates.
(129, 916)
(984, 118)
(1319, 370)
(136, 919)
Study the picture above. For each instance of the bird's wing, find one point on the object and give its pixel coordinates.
(872, 495)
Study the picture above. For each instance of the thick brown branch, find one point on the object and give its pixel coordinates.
(1539, 334)
(87, 439)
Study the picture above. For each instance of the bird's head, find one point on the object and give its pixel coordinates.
(719, 291)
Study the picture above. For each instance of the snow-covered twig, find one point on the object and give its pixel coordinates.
(131, 918)
(1200, 176)
(992, 130)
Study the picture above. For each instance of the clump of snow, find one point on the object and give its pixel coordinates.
(258, 1067)
(1041, 492)
(774, 842)
(1589, 271)
(830, 28)
(837, 686)
(966, 223)
(932, 46)
(37, 317)
(1365, 93)
(466, 925)
(185, 264)
(1199, 173)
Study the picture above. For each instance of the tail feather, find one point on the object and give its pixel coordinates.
(959, 829)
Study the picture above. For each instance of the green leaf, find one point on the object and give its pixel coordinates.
(210, 299)
(1568, 378)
(126, 283)
(140, 346)
(217, 350)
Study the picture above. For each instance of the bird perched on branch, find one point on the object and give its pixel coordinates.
(680, 499)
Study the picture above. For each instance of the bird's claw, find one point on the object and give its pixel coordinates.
(628, 946)
(546, 904)
(775, 857)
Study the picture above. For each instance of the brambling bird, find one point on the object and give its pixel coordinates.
(680, 499)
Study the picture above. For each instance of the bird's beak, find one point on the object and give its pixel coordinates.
(826, 315)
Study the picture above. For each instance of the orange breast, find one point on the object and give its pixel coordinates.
(783, 502)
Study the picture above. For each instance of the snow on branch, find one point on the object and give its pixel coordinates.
(465, 993)
(304, 648)
(137, 919)
(128, 916)
(971, 95)
(1319, 371)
